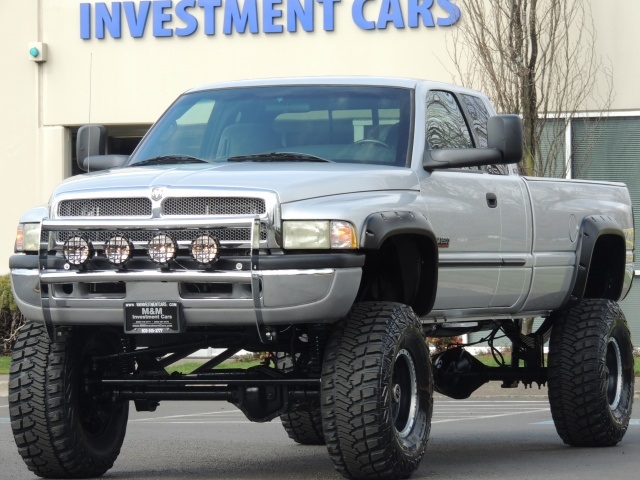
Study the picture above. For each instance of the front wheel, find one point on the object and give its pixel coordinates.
(304, 424)
(62, 426)
(377, 392)
(591, 374)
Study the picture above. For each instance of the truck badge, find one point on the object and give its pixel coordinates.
(443, 242)
(157, 193)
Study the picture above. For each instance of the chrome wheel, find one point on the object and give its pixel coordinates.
(404, 393)
(614, 373)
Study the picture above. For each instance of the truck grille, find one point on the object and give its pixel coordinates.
(174, 206)
(105, 207)
(214, 206)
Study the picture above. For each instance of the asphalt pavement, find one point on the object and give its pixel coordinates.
(496, 434)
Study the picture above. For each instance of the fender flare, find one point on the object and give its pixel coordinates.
(593, 227)
(380, 226)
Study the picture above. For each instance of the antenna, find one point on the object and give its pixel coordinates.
(90, 93)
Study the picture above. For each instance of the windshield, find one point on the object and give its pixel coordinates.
(349, 124)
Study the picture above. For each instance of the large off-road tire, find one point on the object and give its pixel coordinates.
(304, 424)
(61, 429)
(591, 374)
(377, 392)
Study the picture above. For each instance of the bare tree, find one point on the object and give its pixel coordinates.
(534, 58)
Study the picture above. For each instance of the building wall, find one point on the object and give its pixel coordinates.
(120, 81)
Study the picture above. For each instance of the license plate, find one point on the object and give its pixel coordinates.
(152, 317)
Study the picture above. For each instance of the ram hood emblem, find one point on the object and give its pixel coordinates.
(157, 193)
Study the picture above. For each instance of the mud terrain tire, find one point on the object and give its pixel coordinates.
(591, 374)
(61, 430)
(377, 392)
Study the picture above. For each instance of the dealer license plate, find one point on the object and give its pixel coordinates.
(152, 317)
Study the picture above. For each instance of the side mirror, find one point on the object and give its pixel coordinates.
(91, 141)
(91, 146)
(505, 134)
(103, 162)
(504, 146)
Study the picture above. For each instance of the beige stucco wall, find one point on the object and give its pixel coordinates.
(132, 80)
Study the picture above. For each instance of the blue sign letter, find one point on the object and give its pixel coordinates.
(209, 7)
(304, 15)
(328, 22)
(233, 16)
(357, 12)
(109, 20)
(269, 14)
(85, 21)
(452, 10)
(191, 24)
(390, 11)
(160, 18)
(137, 22)
(420, 8)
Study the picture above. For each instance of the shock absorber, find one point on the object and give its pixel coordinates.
(317, 340)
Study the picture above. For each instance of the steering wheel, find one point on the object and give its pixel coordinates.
(372, 141)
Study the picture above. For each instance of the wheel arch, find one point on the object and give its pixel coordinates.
(397, 228)
(600, 260)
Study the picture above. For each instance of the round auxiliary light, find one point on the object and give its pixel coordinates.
(162, 248)
(77, 250)
(118, 249)
(205, 249)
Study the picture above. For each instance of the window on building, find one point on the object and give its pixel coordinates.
(608, 149)
(551, 151)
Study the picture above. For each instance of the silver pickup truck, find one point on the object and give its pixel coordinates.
(332, 223)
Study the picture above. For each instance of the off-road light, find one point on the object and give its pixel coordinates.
(205, 249)
(162, 248)
(118, 249)
(77, 250)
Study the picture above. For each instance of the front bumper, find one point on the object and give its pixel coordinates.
(279, 289)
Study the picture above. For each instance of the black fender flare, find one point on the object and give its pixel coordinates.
(593, 227)
(380, 226)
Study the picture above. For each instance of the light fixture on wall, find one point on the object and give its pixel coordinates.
(38, 52)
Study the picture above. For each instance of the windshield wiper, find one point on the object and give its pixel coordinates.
(168, 160)
(277, 157)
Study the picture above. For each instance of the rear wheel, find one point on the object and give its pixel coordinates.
(376, 394)
(591, 374)
(63, 428)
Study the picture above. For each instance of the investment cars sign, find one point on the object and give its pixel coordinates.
(166, 18)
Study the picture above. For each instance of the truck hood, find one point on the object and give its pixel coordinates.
(290, 181)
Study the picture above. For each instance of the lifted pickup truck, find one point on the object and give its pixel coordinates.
(332, 223)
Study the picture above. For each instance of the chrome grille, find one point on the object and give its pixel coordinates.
(198, 206)
(105, 207)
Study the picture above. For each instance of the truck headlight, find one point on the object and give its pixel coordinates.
(318, 234)
(28, 237)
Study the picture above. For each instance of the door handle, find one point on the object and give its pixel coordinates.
(492, 200)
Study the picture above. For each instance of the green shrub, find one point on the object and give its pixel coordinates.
(10, 317)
